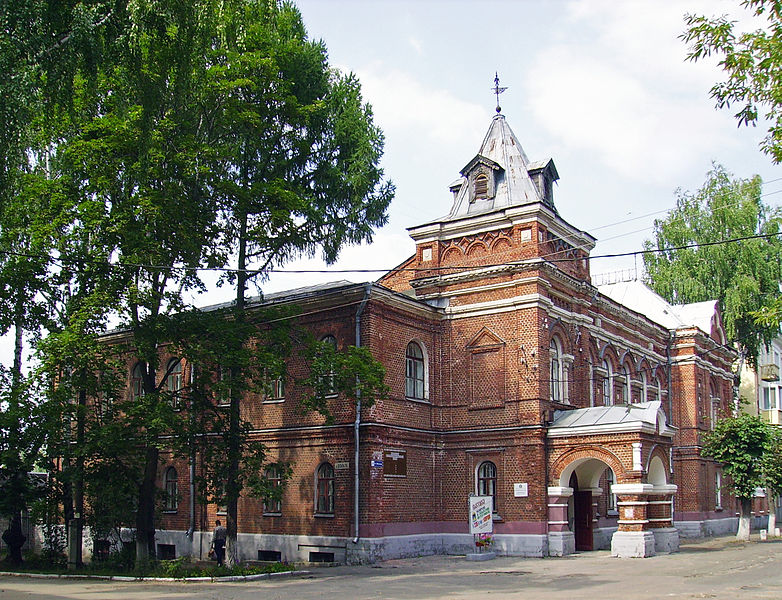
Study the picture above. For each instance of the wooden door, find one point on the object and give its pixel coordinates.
(582, 509)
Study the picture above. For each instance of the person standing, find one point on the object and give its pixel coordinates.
(218, 542)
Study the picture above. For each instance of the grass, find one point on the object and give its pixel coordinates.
(179, 568)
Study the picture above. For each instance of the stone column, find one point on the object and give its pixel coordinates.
(666, 536)
(561, 541)
(633, 538)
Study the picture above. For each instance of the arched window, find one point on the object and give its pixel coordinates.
(223, 394)
(487, 481)
(415, 372)
(324, 484)
(273, 505)
(481, 186)
(608, 388)
(644, 385)
(555, 377)
(174, 381)
(611, 508)
(625, 383)
(137, 382)
(172, 499)
(331, 384)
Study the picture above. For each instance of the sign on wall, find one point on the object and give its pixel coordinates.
(395, 463)
(481, 508)
(520, 490)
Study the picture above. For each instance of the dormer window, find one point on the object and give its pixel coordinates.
(481, 187)
(481, 173)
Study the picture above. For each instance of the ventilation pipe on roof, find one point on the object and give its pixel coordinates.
(357, 423)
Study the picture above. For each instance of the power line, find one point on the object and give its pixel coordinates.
(61, 262)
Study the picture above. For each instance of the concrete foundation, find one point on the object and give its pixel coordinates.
(666, 540)
(561, 543)
(632, 544)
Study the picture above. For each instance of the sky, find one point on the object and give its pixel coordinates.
(602, 87)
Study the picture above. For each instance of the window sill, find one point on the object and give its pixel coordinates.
(496, 518)
(418, 400)
(718, 509)
(612, 513)
(171, 511)
(272, 514)
(274, 401)
(324, 516)
(223, 405)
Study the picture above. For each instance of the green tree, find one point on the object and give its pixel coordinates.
(689, 261)
(302, 174)
(772, 474)
(751, 62)
(739, 443)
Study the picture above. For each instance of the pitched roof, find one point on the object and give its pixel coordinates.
(514, 186)
(638, 297)
(648, 417)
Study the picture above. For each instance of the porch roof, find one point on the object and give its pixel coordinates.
(646, 417)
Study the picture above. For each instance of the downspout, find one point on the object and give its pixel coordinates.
(357, 423)
(191, 464)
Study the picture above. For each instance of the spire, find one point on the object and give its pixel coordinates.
(501, 175)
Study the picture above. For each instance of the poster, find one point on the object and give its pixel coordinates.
(481, 508)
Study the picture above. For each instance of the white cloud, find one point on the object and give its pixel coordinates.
(401, 103)
(623, 91)
(416, 44)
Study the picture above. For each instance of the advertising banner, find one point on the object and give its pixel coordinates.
(481, 508)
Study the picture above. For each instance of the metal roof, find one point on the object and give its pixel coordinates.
(644, 416)
(514, 187)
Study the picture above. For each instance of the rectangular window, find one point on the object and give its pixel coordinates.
(718, 489)
(224, 387)
(274, 390)
(101, 550)
(166, 551)
(270, 555)
(768, 400)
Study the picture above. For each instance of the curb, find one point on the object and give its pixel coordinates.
(225, 579)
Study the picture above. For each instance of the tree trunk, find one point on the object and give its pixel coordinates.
(744, 519)
(13, 536)
(145, 517)
(14, 539)
(76, 530)
(772, 512)
(234, 426)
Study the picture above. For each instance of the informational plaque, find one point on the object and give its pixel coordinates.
(520, 490)
(395, 463)
(481, 508)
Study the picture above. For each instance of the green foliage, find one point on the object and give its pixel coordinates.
(352, 373)
(772, 462)
(752, 62)
(743, 276)
(739, 443)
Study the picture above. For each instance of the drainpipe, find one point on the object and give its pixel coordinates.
(191, 464)
(357, 423)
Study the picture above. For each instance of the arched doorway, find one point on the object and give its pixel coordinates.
(582, 518)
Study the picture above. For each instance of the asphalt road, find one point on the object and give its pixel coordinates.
(713, 568)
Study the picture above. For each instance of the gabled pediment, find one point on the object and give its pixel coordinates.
(485, 338)
(479, 160)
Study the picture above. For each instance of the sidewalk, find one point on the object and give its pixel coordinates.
(706, 568)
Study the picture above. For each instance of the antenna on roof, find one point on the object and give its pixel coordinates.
(497, 90)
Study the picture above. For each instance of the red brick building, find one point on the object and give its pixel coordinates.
(579, 410)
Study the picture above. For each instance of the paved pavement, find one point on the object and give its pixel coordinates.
(713, 568)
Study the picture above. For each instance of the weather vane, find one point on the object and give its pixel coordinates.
(497, 90)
